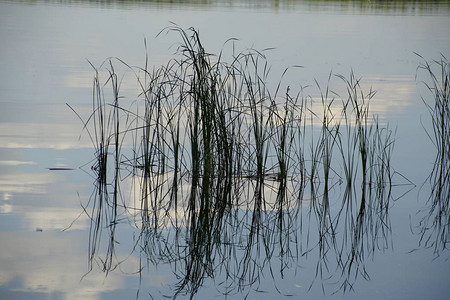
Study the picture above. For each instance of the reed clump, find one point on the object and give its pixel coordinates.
(435, 226)
(219, 165)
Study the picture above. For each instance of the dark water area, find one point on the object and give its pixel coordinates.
(243, 213)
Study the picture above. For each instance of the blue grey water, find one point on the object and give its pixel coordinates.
(44, 52)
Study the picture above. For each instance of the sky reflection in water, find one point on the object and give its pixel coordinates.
(44, 66)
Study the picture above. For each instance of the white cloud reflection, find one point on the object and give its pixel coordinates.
(53, 218)
(42, 135)
(6, 208)
(394, 95)
(50, 263)
(15, 162)
(31, 183)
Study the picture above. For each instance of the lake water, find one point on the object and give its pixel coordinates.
(46, 245)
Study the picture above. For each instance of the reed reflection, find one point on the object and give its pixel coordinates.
(231, 181)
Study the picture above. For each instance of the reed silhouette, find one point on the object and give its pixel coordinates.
(435, 224)
(231, 181)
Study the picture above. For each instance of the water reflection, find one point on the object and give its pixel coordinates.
(53, 128)
(238, 246)
(52, 268)
(58, 28)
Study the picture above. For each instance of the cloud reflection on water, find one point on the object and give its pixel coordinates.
(53, 267)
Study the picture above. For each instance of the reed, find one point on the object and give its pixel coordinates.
(436, 224)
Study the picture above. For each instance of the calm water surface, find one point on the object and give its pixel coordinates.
(44, 53)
